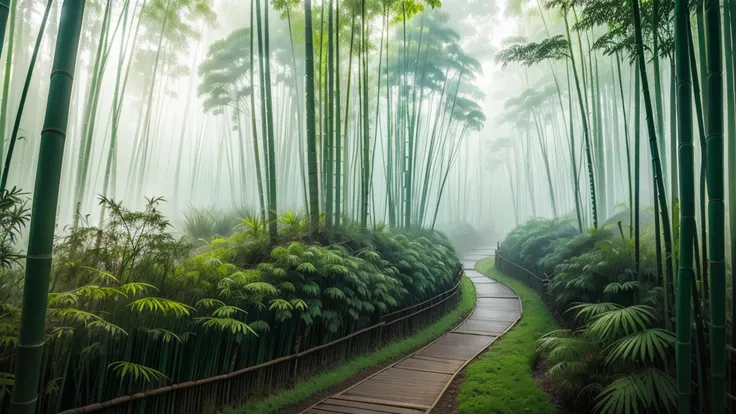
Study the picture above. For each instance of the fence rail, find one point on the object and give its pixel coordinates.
(208, 394)
(521, 273)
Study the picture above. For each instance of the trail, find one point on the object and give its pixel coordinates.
(416, 383)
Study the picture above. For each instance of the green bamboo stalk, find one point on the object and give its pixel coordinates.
(337, 137)
(366, 178)
(657, 166)
(686, 163)
(299, 115)
(586, 131)
(4, 11)
(573, 162)
(730, 73)
(345, 165)
(658, 82)
(272, 206)
(23, 96)
(311, 133)
(637, 172)
(703, 162)
(716, 208)
(674, 184)
(90, 113)
(253, 128)
(12, 5)
(628, 149)
(31, 340)
(330, 99)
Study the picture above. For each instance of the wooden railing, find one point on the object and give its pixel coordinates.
(518, 272)
(208, 394)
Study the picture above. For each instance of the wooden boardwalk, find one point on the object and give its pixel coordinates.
(415, 384)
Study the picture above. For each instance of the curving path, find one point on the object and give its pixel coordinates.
(415, 384)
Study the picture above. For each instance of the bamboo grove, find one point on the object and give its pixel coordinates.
(304, 157)
(627, 110)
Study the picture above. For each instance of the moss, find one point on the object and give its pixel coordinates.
(312, 386)
(501, 380)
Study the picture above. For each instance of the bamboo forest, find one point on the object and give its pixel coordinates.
(367, 206)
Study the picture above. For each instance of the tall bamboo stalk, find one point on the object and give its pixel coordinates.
(366, 177)
(586, 130)
(31, 339)
(23, 96)
(272, 223)
(686, 164)
(4, 11)
(716, 208)
(13, 5)
(311, 132)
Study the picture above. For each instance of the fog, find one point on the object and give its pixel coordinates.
(175, 141)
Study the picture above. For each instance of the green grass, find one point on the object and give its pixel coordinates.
(501, 380)
(305, 389)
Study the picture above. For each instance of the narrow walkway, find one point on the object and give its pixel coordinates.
(415, 384)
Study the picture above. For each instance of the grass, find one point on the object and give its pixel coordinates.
(501, 380)
(305, 389)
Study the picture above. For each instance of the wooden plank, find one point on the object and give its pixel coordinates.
(495, 316)
(483, 281)
(395, 384)
(436, 359)
(494, 290)
(438, 365)
(347, 410)
(317, 411)
(375, 407)
(492, 327)
(457, 346)
(465, 332)
(497, 304)
(343, 396)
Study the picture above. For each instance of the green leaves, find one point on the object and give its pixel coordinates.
(621, 321)
(231, 325)
(529, 54)
(262, 288)
(334, 293)
(136, 373)
(640, 392)
(647, 346)
(164, 306)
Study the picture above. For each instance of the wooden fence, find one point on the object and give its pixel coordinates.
(209, 394)
(520, 273)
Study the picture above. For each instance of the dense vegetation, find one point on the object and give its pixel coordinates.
(339, 125)
(618, 346)
(623, 105)
(131, 308)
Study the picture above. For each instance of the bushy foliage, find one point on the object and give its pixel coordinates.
(536, 238)
(13, 218)
(132, 306)
(613, 356)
